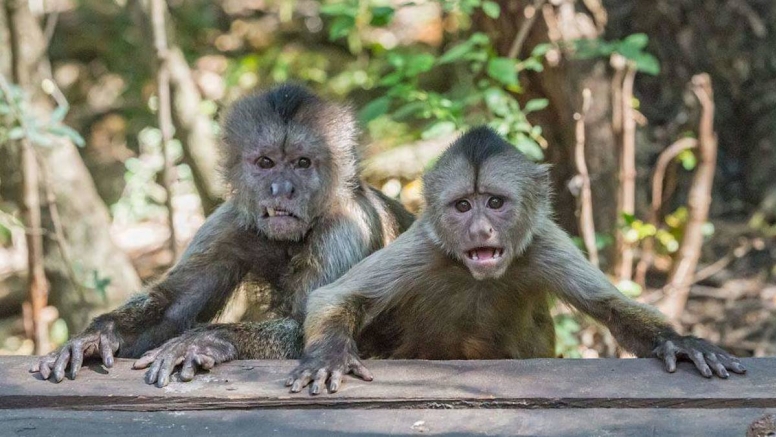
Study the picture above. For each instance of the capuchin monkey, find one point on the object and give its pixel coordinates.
(471, 279)
(298, 217)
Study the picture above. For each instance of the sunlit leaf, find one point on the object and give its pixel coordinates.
(374, 109)
(341, 27)
(491, 9)
(438, 129)
(535, 105)
(503, 70)
(381, 15)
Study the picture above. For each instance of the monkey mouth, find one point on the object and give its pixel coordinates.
(485, 255)
(278, 212)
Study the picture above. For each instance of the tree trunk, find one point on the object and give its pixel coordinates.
(84, 217)
(562, 83)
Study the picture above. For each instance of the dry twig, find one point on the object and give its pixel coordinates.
(626, 199)
(666, 157)
(531, 14)
(681, 278)
(585, 199)
(164, 108)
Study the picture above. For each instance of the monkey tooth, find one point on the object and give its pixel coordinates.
(485, 253)
(272, 212)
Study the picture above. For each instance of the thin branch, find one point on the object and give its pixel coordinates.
(699, 198)
(164, 109)
(531, 14)
(666, 157)
(626, 201)
(586, 223)
(38, 283)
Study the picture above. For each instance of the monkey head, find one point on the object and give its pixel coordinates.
(484, 200)
(289, 159)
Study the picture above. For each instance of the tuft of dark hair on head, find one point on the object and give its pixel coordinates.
(286, 99)
(479, 144)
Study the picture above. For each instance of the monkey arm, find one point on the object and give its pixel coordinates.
(559, 266)
(205, 276)
(336, 313)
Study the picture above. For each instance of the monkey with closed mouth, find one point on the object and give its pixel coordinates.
(298, 217)
(472, 278)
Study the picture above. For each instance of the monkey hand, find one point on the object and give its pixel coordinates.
(99, 340)
(195, 349)
(709, 359)
(332, 366)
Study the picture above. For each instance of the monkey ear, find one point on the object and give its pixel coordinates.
(542, 175)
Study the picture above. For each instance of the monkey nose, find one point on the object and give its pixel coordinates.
(282, 188)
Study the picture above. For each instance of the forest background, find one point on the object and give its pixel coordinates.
(659, 118)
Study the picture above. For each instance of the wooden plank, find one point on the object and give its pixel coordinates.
(320, 422)
(508, 384)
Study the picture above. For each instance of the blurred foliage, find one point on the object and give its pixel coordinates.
(631, 48)
(19, 121)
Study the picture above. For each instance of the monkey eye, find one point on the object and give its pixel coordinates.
(303, 163)
(495, 202)
(265, 162)
(463, 205)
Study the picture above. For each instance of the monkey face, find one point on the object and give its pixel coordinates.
(288, 180)
(289, 159)
(484, 199)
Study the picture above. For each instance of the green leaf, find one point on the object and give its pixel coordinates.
(69, 133)
(688, 159)
(438, 129)
(531, 64)
(529, 148)
(495, 100)
(374, 109)
(16, 133)
(491, 9)
(541, 49)
(419, 64)
(628, 218)
(455, 53)
(340, 9)
(59, 113)
(381, 15)
(503, 70)
(646, 63)
(637, 40)
(341, 27)
(408, 110)
(535, 105)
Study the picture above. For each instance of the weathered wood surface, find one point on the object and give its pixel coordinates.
(357, 422)
(526, 384)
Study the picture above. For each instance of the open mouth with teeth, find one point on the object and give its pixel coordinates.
(485, 256)
(277, 212)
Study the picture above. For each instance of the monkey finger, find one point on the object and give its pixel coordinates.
(45, 369)
(320, 381)
(335, 380)
(206, 362)
(732, 363)
(76, 359)
(304, 378)
(146, 360)
(700, 363)
(716, 366)
(62, 361)
(188, 370)
(359, 369)
(669, 360)
(167, 369)
(153, 371)
(106, 351)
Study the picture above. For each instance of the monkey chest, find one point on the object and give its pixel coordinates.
(473, 327)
